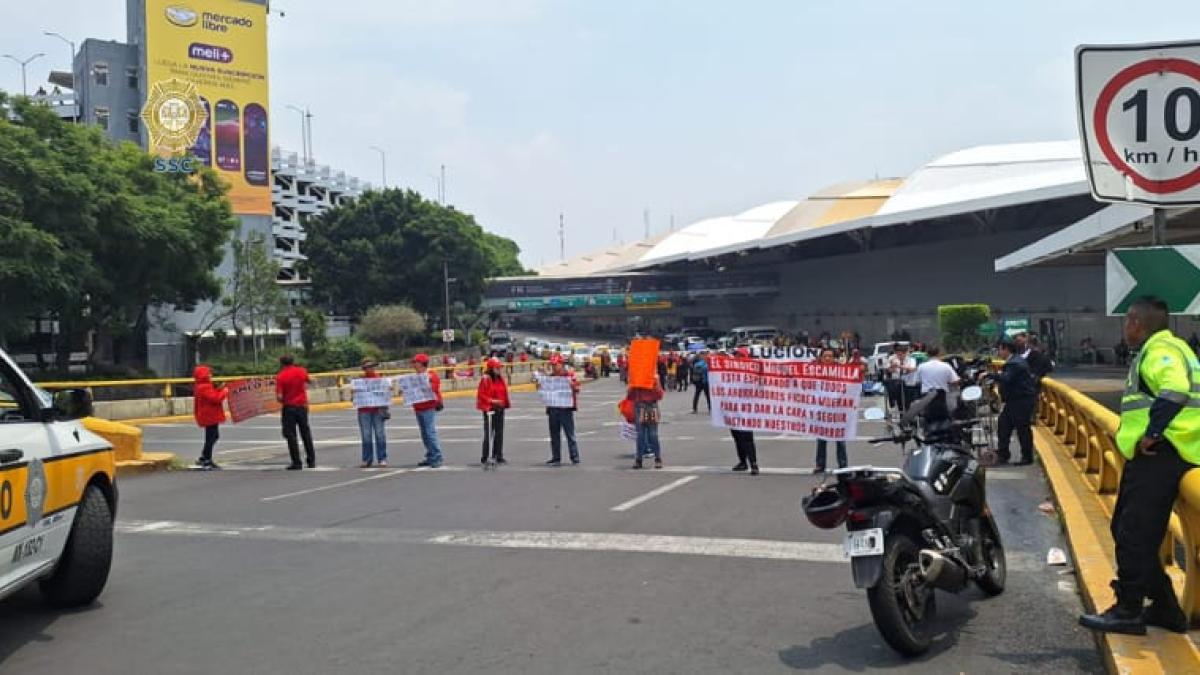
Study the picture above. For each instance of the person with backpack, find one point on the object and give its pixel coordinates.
(208, 407)
(492, 400)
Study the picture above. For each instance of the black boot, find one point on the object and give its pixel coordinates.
(1126, 616)
(1165, 612)
(741, 466)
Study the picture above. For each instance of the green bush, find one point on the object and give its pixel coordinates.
(959, 325)
(348, 352)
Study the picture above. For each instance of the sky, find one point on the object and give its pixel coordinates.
(603, 111)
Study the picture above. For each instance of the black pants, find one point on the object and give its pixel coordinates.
(296, 417)
(493, 431)
(744, 442)
(1018, 416)
(701, 387)
(211, 435)
(1148, 489)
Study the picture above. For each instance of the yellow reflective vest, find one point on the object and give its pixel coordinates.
(1168, 368)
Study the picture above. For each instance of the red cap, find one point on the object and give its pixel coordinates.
(493, 363)
(422, 359)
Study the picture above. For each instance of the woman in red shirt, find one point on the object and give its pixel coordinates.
(646, 416)
(492, 398)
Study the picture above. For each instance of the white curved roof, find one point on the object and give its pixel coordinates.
(718, 233)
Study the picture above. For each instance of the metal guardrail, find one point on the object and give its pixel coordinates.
(112, 390)
(1088, 430)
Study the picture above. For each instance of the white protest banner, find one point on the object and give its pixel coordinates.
(628, 431)
(799, 398)
(789, 353)
(556, 391)
(371, 392)
(415, 388)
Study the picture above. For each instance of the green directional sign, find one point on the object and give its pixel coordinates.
(987, 329)
(1168, 272)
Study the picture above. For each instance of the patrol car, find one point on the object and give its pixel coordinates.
(58, 493)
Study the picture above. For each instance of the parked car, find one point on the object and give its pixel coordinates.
(499, 342)
(743, 335)
(58, 492)
(877, 361)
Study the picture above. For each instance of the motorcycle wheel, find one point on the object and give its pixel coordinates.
(993, 581)
(902, 606)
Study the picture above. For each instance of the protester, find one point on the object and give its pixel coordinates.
(743, 441)
(828, 358)
(700, 380)
(426, 413)
(647, 416)
(371, 424)
(900, 368)
(562, 420)
(291, 389)
(672, 371)
(1159, 436)
(684, 372)
(1018, 391)
(623, 367)
(208, 408)
(492, 399)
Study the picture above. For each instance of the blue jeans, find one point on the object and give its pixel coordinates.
(371, 427)
(427, 421)
(647, 435)
(841, 453)
(562, 419)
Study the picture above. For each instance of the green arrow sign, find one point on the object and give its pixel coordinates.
(1171, 273)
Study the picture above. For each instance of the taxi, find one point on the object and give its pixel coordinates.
(58, 493)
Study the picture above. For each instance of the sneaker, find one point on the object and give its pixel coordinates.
(382, 463)
(423, 462)
(483, 460)
(637, 464)
(818, 470)
(212, 466)
(295, 467)
(753, 469)
(501, 460)
(553, 462)
(435, 465)
(740, 466)
(657, 463)
(575, 460)
(312, 465)
(201, 463)
(364, 465)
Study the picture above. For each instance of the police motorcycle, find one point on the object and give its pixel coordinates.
(922, 527)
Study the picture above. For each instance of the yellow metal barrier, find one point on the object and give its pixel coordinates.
(337, 378)
(1088, 431)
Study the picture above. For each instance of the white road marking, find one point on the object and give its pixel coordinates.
(334, 486)
(625, 506)
(592, 542)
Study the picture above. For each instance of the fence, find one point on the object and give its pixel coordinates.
(1088, 431)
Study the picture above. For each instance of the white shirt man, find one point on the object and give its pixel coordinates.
(936, 374)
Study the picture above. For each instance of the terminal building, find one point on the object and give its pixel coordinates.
(1004, 225)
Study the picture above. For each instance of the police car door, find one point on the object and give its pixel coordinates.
(23, 438)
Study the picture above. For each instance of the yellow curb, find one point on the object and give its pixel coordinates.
(1086, 522)
(149, 462)
(319, 407)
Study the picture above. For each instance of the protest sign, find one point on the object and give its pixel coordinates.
(415, 388)
(556, 391)
(371, 392)
(789, 353)
(643, 362)
(251, 398)
(799, 398)
(628, 431)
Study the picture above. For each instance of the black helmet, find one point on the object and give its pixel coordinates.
(826, 507)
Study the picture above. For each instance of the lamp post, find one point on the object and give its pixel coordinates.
(305, 116)
(23, 64)
(382, 162)
(71, 65)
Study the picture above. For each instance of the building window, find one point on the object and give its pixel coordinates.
(131, 120)
(100, 74)
(131, 77)
(101, 114)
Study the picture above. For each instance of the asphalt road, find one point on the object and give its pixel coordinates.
(526, 569)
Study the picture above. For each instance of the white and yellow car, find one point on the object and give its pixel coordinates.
(58, 492)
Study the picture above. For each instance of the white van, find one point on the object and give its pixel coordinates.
(743, 335)
(58, 492)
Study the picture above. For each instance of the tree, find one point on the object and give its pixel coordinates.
(389, 247)
(959, 324)
(100, 235)
(312, 328)
(391, 326)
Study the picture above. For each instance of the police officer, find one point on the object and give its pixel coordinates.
(1018, 389)
(1160, 439)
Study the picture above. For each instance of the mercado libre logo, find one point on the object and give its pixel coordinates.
(174, 115)
(182, 16)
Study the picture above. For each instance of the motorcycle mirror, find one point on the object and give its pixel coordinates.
(972, 393)
(874, 414)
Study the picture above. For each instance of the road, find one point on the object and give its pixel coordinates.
(526, 569)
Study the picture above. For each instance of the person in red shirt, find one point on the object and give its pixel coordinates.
(372, 424)
(426, 412)
(291, 389)
(492, 397)
(646, 415)
(562, 420)
(208, 407)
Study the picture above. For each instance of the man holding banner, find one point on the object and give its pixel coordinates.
(372, 395)
(560, 392)
(425, 390)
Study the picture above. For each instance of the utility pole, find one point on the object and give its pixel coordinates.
(646, 220)
(304, 151)
(1158, 231)
(446, 277)
(23, 64)
(71, 64)
(383, 163)
(442, 186)
(308, 116)
(562, 240)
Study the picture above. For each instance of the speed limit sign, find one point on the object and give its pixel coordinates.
(1139, 120)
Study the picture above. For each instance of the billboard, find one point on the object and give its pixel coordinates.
(206, 91)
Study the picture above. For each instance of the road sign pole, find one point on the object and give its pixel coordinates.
(1158, 232)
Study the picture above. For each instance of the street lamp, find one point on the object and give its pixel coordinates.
(383, 163)
(305, 132)
(71, 65)
(23, 64)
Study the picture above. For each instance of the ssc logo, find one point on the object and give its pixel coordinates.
(35, 493)
(173, 115)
